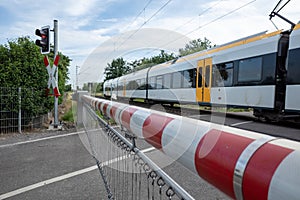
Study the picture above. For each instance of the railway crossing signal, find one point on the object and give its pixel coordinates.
(51, 72)
(44, 42)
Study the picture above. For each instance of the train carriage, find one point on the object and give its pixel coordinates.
(292, 100)
(261, 72)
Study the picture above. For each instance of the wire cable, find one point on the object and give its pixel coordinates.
(202, 13)
(144, 23)
(212, 21)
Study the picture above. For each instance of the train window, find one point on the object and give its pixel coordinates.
(223, 74)
(159, 82)
(187, 79)
(121, 86)
(167, 81)
(193, 75)
(152, 84)
(138, 83)
(207, 76)
(293, 72)
(142, 84)
(112, 87)
(250, 70)
(200, 77)
(176, 80)
(132, 85)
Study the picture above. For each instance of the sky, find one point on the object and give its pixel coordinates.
(93, 32)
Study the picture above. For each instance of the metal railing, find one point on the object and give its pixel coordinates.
(128, 173)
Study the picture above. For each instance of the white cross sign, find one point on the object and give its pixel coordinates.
(51, 72)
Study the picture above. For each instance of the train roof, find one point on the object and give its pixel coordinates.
(232, 44)
(235, 43)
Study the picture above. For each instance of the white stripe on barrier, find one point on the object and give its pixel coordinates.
(284, 184)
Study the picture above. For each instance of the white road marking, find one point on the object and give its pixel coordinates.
(240, 123)
(40, 139)
(66, 176)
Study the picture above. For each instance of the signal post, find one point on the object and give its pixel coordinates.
(44, 44)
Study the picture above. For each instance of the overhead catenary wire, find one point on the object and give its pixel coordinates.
(212, 21)
(142, 11)
(136, 17)
(192, 19)
(199, 15)
(131, 35)
(199, 27)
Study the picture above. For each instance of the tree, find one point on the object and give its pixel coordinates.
(195, 46)
(116, 68)
(148, 62)
(22, 66)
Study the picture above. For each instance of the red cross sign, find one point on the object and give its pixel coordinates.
(51, 72)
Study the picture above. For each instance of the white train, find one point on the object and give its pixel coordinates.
(260, 72)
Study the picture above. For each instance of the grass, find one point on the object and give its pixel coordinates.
(68, 116)
(110, 121)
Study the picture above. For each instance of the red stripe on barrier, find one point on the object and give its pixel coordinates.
(260, 170)
(216, 156)
(104, 108)
(126, 116)
(56, 60)
(113, 111)
(153, 127)
(99, 106)
(46, 62)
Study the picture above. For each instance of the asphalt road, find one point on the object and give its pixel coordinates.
(25, 164)
(49, 166)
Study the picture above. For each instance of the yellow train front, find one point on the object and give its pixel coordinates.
(260, 72)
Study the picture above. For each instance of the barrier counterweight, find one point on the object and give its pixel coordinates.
(242, 164)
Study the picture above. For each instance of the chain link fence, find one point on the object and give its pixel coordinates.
(22, 109)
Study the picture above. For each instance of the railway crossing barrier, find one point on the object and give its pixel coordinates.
(242, 164)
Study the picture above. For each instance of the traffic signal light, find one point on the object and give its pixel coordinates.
(44, 42)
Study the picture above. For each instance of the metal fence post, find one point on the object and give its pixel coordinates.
(20, 112)
(78, 97)
(56, 75)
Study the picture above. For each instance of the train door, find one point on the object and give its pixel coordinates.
(203, 86)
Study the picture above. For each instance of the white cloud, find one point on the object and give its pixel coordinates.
(85, 24)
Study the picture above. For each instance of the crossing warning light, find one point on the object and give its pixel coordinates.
(44, 42)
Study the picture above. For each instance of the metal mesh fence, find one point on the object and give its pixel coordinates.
(127, 172)
(21, 109)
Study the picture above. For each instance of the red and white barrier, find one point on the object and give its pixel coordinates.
(242, 164)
